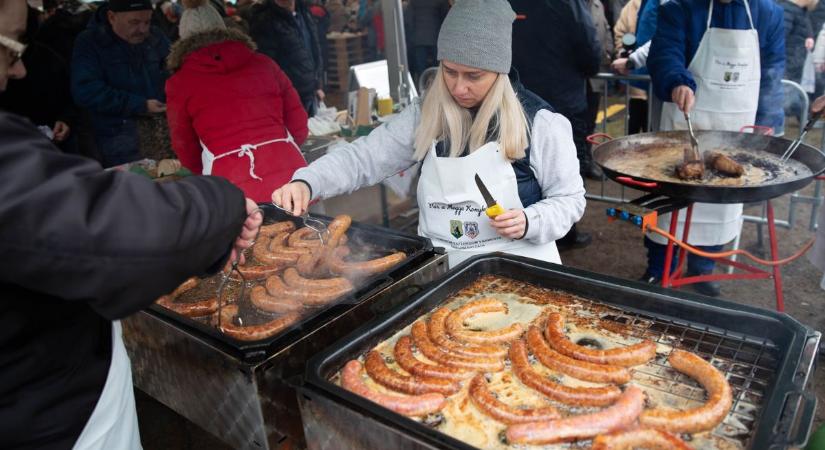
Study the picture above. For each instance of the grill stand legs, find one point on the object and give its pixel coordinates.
(675, 279)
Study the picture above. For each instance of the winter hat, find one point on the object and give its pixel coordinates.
(198, 16)
(478, 33)
(129, 5)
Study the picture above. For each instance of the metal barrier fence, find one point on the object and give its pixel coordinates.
(815, 200)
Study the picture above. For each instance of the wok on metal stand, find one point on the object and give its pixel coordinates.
(667, 195)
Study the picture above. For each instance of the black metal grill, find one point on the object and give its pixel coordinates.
(767, 357)
(749, 365)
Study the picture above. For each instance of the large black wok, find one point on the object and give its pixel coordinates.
(614, 154)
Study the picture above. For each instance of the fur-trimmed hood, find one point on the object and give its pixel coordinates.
(185, 47)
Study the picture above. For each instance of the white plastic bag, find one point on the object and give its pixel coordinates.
(808, 81)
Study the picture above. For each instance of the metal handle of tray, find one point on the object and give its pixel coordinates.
(799, 406)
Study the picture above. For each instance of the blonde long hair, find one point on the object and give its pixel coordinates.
(443, 118)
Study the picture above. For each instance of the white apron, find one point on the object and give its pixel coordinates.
(727, 71)
(208, 158)
(452, 210)
(113, 424)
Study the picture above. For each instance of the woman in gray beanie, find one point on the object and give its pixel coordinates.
(475, 123)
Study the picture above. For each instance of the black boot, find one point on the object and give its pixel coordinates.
(574, 239)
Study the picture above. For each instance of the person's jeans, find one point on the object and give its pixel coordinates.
(696, 265)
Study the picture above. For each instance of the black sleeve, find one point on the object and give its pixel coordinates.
(115, 240)
(590, 54)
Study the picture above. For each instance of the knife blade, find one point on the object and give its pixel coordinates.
(493, 208)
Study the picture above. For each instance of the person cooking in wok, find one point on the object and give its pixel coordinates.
(473, 121)
(721, 61)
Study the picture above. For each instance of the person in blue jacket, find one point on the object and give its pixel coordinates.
(118, 72)
(721, 61)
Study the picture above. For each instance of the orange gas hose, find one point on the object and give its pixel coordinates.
(729, 253)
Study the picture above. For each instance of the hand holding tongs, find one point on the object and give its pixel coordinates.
(795, 144)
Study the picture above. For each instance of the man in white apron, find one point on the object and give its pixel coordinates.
(726, 70)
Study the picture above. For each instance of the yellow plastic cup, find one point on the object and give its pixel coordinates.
(384, 106)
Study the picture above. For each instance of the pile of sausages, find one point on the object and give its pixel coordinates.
(459, 357)
(295, 270)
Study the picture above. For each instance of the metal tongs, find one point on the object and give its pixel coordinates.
(693, 154)
(320, 228)
(795, 144)
(228, 275)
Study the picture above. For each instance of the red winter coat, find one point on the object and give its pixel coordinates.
(226, 95)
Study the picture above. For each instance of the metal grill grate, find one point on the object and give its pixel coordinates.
(748, 364)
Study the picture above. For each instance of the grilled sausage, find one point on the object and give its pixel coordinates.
(648, 438)
(417, 405)
(254, 332)
(583, 370)
(575, 396)
(313, 264)
(190, 309)
(621, 414)
(276, 228)
(435, 353)
(265, 250)
(304, 237)
(359, 269)
(455, 323)
(724, 164)
(632, 355)
(293, 279)
(377, 370)
(693, 170)
(275, 302)
(337, 230)
(487, 402)
(309, 295)
(438, 334)
(404, 357)
(703, 418)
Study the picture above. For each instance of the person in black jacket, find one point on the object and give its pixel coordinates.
(556, 50)
(83, 248)
(44, 95)
(285, 31)
(799, 36)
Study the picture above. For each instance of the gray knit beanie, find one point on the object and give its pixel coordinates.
(478, 33)
(200, 18)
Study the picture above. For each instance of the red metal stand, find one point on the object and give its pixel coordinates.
(675, 279)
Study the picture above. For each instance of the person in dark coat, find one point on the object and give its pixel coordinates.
(253, 91)
(118, 73)
(107, 246)
(799, 36)
(424, 19)
(166, 17)
(43, 96)
(556, 50)
(285, 31)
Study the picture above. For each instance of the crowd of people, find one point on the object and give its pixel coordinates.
(96, 71)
